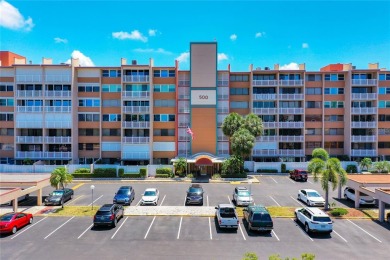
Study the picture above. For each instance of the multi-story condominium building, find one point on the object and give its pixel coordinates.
(138, 114)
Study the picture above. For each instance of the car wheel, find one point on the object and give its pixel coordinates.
(296, 217)
(345, 196)
(31, 220)
(14, 229)
(249, 226)
(71, 196)
(201, 203)
(307, 229)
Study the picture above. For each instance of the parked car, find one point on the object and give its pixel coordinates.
(311, 197)
(125, 195)
(108, 215)
(11, 222)
(21, 198)
(314, 220)
(195, 194)
(388, 217)
(59, 197)
(150, 197)
(349, 193)
(298, 175)
(226, 216)
(258, 218)
(242, 196)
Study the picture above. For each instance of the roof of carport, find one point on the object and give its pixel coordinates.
(370, 179)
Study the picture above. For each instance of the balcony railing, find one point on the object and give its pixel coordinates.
(291, 96)
(364, 110)
(58, 78)
(264, 83)
(184, 82)
(359, 152)
(222, 110)
(222, 138)
(264, 97)
(364, 82)
(58, 139)
(271, 138)
(135, 124)
(135, 109)
(363, 138)
(184, 138)
(291, 110)
(135, 140)
(34, 109)
(278, 152)
(29, 93)
(58, 124)
(58, 93)
(28, 78)
(135, 155)
(370, 124)
(286, 152)
(183, 123)
(223, 96)
(298, 82)
(135, 94)
(265, 152)
(364, 96)
(270, 124)
(291, 138)
(265, 110)
(223, 83)
(290, 124)
(58, 109)
(29, 124)
(44, 155)
(135, 78)
(184, 110)
(29, 139)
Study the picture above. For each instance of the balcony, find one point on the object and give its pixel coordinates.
(136, 109)
(290, 96)
(184, 138)
(135, 140)
(291, 124)
(135, 78)
(223, 96)
(223, 83)
(285, 152)
(67, 109)
(256, 83)
(29, 94)
(270, 124)
(370, 124)
(184, 82)
(264, 97)
(33, 109)
(28, 78)
(291, 110)
(363, 138)
(58, 139)
(221, 152)
(29, 139)
(135, 155)
(135, 94)
(44, 155)
(270, 138)
(184, 93)
(222, 138)
(364, 96)
(183, 123)
(291, 138)
(223, 110)
(265, 152)
(58, 124)
(265, 111)
(359, 152)
(364, 82)
(135, 124)
(364, 110)
(29, 124)
(184, 110)
(298, 82)
(61, 78)
(58, 93)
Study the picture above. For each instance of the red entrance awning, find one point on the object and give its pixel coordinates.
(204, 162)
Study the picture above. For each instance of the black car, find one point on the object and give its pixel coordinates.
(59, 197)
(195, 194)
(108, 215)
(125, 195)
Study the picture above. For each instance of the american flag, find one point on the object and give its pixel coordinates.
(189, 131)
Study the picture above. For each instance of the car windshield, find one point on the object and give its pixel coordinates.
(57, 193)
(150, 193)
(122, 192)
(322, 219)
(102, 213)
(303, 172)
(195, 190)
(243, 193)
(6, 217)
(313, 194)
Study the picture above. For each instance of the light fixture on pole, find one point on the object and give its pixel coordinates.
(92, 188)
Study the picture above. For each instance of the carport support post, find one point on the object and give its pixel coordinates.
(381, 211)
(39, 197)
(357, 199)
(15, 205)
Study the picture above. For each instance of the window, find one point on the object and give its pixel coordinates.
(6, 88)
(136, 132)
(239, 104)
(290, 104)
(313, 104)
(6, 147)
(164, 88)
(313, 145)
(313, 118)
(137, 87)
(89, 102)
(111, 88)
(384, 77)
(164, 103)
(335, 145)
(334, 131)
(111, 103)
(239, 78)
(239, 91)
(269, 132)
(88, 88)
(6, 117)
(164, 132)
(290, 76)
(89, 117)
(384, 131)
(7, 131)
(164, 118)
(137, 118)
(313, 77)
(264, 77)
(136, 103)
(89, 146)
(111, 73)
(89, 132)
(58, 87)
(333, 91)
(9, 102)
(313, 91)
(334, 77)
(361, 76)
(313, 131)
(384, 104)
(266, 90)
(111, 132)
(164, 73)
(333, 104)
(111, 118)
(384, 91)
(334, 118)
(267, 118)
(384, 118)
(264, 104)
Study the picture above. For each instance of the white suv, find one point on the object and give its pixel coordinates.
(314, 220)
(242, 196)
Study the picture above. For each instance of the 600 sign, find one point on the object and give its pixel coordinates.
(203, 97)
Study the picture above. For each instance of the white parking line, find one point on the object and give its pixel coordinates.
(275, 235)
(239, 224)
(307, 235)
(366, 232)
(290, 179)
(340, 236)
(207, 200)
(147, 232)
(211, 235)
(119, 228)
(230, 202)
(71, 201)
(274, 180)
(185, 199)
(24, 230)
(88, 228)
(275, 201)
(178, 233)
(59, 227)
(94, 201)
(309, 182)
(162, 200)
(139, 202)
(297, 201)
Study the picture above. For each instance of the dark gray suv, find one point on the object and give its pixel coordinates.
(108, 215)
(195, 195)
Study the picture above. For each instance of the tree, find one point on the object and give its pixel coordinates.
(180, 165)
(365, 163)
(232, 166)
(382, 166)
(231, 124)
(60, 177)
(242, 142)
(327, 170)
(253, 124)
(250, 256)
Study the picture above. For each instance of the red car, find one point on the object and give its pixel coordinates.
(298, 175)
(11, 222)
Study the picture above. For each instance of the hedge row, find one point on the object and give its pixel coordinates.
(267, 171)
(237, 175)
(108, 173)
(162, 175)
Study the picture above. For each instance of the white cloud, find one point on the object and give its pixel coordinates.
(233, 37)
(134, 35)
(305, 45)
(259, 34)
(84, 60)
(11, 18)
(222, 56)
(291, 66)
(60, 40)
(152, 32)
(183, 57)
(159, 50)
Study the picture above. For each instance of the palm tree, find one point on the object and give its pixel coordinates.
(329, 171)
(180, 165)
(382, 166)
(60, 177)
(365, 163)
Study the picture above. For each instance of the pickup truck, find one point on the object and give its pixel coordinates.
(226, 216)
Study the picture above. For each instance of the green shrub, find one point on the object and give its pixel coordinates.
(121, 171)
(351, 168)
(283, 168)
(216, 176)
(235, 175)
(108, 171)
(338, 212)
(162, 175)
(267, 171)
(142, 172)
(190, 175)
(89, 175)
(246, 170)
(130, 175)
(167, 171)
(83, 170)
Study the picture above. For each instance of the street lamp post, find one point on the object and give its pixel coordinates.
(92, 188)
(250, 187)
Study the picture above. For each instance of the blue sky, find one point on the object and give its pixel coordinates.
(261, 33)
